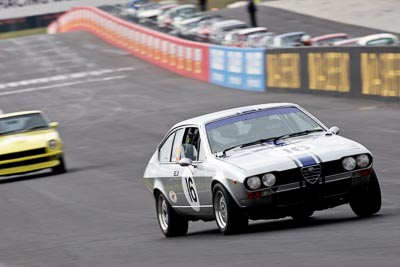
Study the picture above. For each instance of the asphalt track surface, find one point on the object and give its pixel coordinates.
(113, 111)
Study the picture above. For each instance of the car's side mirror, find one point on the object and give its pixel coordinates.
(185, 162)
(334, 130)
(54, 125)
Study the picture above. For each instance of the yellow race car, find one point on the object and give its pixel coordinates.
(28, 142)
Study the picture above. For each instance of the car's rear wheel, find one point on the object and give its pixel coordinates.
(367, 200)
(60, 168)
(171, 223)
(230, 219)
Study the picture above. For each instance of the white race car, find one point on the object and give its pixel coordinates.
(257, 162)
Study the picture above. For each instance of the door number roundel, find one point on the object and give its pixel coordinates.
(190, 190)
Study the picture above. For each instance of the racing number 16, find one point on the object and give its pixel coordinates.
(190, 188)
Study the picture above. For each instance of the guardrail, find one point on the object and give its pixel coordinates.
(348, 71)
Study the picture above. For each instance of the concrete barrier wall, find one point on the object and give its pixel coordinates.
(183, 57)
(238, 67)
(347, 71)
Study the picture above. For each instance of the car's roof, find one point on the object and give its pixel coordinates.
(225, 23)
(283, 35)
(347, 41)
(179, 7)
(203, 119)
(252, 30)
(328, 36)
(7, 115)
(363, 40)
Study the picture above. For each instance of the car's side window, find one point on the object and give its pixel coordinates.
(382, 41)
(191, 143)
(177, 146)
(165, 150)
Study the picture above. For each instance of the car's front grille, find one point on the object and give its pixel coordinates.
(311, 173)
(332, 167)
(23, 154)
(24, 163)
(288, 176)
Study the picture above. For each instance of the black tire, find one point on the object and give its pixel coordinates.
(368, 200)
(171, 223)
(230, 219)
(60, 168)
(302, 215)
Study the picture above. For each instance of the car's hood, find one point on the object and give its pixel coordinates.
(26, 141)
(292, 153)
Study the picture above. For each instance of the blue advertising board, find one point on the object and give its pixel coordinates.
(240, 68)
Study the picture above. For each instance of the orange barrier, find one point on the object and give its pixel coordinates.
(181, 56)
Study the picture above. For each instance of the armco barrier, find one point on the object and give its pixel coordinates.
(350, 71)
(237, 67)
(183, 57)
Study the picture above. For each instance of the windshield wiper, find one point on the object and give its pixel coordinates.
(306, 132)
(9, 132)
(34, 128)
(260, 141)
(264, 140)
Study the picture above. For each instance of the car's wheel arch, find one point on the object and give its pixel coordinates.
(227, 188)
(159, 188)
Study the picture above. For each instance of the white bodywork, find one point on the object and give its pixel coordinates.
(232, 169)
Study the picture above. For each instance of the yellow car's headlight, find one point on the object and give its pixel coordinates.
(52, 144)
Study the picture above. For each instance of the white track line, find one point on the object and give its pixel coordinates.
(53, 86)
(60, 77)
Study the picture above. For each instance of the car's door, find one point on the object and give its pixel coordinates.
(195, 179)
(169, 171)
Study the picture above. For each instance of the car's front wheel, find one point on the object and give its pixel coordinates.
(171, 223)
(368, 200)
(230, 219)
(60, 168)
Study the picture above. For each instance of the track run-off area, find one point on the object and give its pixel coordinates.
(113, 110)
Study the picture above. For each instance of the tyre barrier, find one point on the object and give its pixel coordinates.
(347, 71)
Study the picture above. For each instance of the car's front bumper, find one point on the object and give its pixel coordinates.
(29, 164)
(283, 200)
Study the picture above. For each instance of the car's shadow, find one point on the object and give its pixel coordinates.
(289, 224)
(36, 175)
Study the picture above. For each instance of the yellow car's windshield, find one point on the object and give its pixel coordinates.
(22, 123)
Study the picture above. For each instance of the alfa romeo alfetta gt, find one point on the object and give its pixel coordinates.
(258, 162)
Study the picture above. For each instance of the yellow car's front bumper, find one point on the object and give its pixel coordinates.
(31, 163)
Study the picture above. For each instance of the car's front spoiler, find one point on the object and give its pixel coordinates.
(31, 164)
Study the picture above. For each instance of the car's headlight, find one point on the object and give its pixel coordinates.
(52, 144)
(268, 179)
(362, 161)
(349, 163)
(253, 182)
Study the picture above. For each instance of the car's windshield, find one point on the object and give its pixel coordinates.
(22, 123)
(255, 125)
